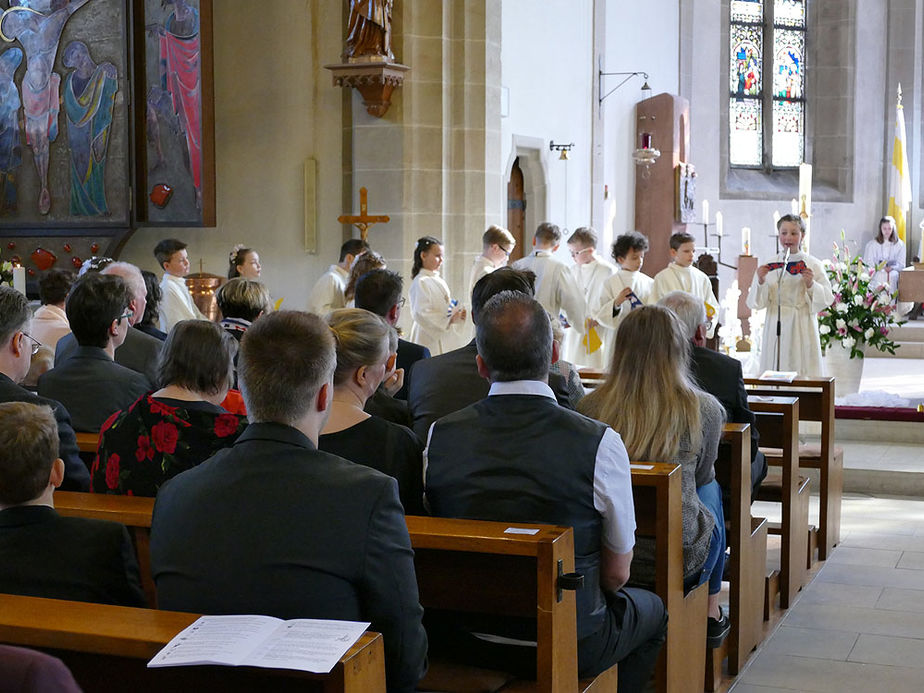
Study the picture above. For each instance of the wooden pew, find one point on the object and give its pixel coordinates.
(591, 378)
(816, 403)
(747, 540)
(657, 495)
(449, 554)
(109, 646)
(778, 423)
(86, 442)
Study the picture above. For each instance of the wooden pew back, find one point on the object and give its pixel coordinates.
(104, 644)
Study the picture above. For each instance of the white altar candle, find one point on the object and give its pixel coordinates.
(19, 279)
(745, 240)
(776, 217)
(705, 211)
(794, 206)
(718, 224)
(805, 188)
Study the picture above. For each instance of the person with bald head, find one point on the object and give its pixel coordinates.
(140, 352)
(517, 456)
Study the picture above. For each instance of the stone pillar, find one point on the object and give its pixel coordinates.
(433, 161)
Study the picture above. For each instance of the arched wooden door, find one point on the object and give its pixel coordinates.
(516, 210)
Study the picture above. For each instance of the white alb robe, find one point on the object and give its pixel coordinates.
(481, 267)
(800, 344)
(176, 303)
(893, 255)
(690, 279)
(590, 279)
(641, 285)
(327, 293)
(430, 309)
(556, 289)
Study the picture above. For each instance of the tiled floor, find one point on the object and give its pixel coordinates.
(859, 625)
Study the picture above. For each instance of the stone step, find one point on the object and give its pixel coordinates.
(905, 350)
(861, 430)
(909, 332)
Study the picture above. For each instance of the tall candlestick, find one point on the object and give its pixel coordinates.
(745, 240)
(705, 211)
(794, 207)
(805, 188)
(19, 279)
(718, 224)
(776, 217)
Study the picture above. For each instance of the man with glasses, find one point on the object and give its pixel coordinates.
(90, 384)
(16, 349)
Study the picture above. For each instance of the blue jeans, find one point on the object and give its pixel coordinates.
(711, 496)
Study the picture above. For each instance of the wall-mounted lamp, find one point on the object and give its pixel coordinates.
(601, 97)
(563, 148)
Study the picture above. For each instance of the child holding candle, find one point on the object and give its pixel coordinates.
(802, 289)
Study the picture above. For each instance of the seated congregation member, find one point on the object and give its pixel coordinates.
(150, 322)
(50, 321)
(139, 351)
(568, 371)
(379, 292)
(650, 398)
(719, 375)
(448, 382)
(89, 383)
(41, 553)
(178, 426)
(16, 350)
(25, 670)
(281, 528)
(327, 294)
(517, 456)
(365, 357)
(367, 262)
(241, 301)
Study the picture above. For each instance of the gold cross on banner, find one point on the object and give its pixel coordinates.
(363, 221)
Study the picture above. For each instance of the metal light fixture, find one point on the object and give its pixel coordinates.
(563, 148)
(646, 154)
(601, 97)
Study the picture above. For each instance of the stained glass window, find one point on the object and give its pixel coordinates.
(767, 125)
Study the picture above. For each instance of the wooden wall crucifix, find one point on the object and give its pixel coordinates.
(363, 220)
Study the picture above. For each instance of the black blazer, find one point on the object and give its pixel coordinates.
(139, 351)
(76, 474)
(408, 354)
(45, 555)
(449, 382)
(273, 526)
(92, 387)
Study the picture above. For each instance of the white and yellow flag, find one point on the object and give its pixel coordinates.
(899, 173)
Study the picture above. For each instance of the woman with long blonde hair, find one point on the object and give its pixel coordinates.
(651, 400)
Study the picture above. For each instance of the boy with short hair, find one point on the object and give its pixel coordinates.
(327, 293)
(590, 273)
(625, 290)
(41, 553)
(497, 244)
(176, 303)
(556, 289)
(681, 275)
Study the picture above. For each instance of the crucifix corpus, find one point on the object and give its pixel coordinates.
(363, 221)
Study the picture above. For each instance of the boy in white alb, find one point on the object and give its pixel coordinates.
(556, 289)
(497, 244)
(681, 275)
(327, 293)
(176, 303)
(625, 290)
(590, 273)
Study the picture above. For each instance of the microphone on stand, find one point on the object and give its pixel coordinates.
(779, 304)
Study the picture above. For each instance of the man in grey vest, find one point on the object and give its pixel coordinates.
(517, 456)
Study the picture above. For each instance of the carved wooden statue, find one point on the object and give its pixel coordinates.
(369, 31)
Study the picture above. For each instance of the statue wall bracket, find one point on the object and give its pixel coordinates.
(375, 81)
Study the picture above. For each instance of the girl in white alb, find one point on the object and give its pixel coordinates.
(885, 248)
(803, 290)
(438, 321)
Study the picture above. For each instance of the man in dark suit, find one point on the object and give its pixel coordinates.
(283, 529)
(517, 456)
(90, 384)
(139, 351)
(379, 292)
(448, 382)
(16, 349)
(41, 553)
(719, 375)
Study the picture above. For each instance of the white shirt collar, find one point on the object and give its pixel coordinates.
(542, 252)
(174, 278)
(339, 270)
(521, 387)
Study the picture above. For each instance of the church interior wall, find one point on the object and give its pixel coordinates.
(274, 107)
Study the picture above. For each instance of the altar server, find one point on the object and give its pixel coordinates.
(439, 321)
(590, 273)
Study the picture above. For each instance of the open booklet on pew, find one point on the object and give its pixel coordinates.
(781, 376)
(261, 641)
